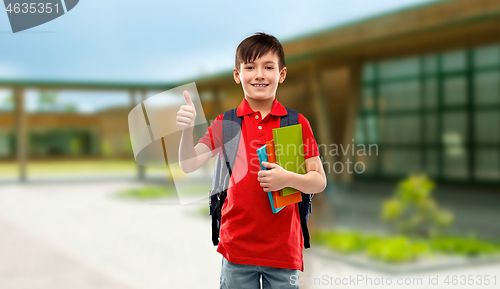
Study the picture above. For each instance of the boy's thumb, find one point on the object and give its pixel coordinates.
(187, 97)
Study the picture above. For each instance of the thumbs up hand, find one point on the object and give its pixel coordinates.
(186, 113)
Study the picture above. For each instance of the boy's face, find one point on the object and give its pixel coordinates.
(260, 78)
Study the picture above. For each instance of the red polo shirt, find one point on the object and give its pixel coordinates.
(249, 232)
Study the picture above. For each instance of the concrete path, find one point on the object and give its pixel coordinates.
(27, 262)
(140, 244)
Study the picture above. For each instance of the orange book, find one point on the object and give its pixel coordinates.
(280, 201)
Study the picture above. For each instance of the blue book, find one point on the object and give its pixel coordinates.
(262, 154)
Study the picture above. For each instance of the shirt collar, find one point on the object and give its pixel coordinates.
(277, 109)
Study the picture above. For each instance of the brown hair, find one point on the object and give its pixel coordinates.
(257, 45)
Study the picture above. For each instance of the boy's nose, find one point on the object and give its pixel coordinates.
(259, 74)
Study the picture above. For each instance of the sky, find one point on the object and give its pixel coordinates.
(163, 41)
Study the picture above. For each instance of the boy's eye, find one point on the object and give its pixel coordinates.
(270, 67)
(248, 67)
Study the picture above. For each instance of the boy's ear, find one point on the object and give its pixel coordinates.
(282, 74)
(236, 75)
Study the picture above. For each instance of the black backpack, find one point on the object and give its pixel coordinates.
(231, 128)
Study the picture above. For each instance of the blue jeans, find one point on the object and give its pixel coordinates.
(240, 276)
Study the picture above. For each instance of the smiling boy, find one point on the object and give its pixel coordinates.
(255, 243)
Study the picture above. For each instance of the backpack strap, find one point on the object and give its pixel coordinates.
(231, 132)
(216, 198)
(292, 118)
(304, 210)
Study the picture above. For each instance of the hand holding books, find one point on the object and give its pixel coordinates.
(275, 178)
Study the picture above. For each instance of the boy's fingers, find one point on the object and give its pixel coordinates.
(268, 165)
(263, 173)
(187, 108)
(187, 97)
(183, 119)
(185, 113)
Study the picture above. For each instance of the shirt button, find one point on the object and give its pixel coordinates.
(260, 127)
(257, 116)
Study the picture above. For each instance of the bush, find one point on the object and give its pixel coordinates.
(464, 246)
(413, 212)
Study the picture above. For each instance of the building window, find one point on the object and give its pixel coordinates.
(437, 114)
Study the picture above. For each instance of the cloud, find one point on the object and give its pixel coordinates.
(10, 71)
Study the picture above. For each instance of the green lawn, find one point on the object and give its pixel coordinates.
(400, 248)
(154, 192)
(146, 193)
(73, 166)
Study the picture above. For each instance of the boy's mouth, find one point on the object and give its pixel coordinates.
(259, 85)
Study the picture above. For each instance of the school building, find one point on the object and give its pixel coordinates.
(416, 90)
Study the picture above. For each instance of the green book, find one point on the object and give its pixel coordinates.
(289, 150)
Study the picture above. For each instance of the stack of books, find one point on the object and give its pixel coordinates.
(286, 150)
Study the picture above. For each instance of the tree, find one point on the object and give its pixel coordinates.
(47, 100)
(9, 100)
(413, 211)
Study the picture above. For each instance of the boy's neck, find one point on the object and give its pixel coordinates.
(262, 106)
